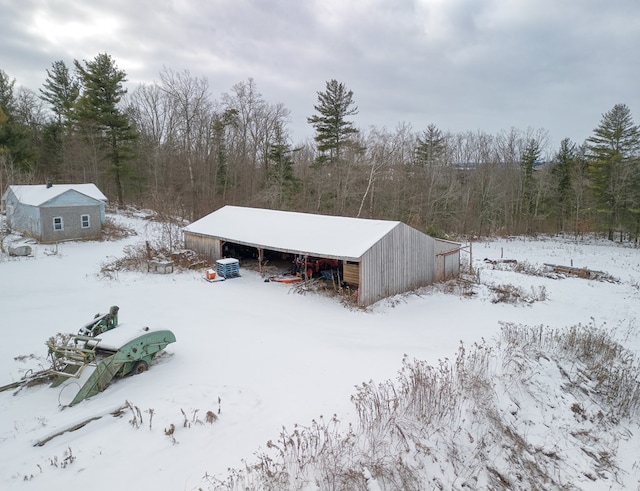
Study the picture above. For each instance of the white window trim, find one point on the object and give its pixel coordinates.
(82, 221)
(55, 229)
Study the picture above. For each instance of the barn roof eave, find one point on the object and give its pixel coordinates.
(277, 249)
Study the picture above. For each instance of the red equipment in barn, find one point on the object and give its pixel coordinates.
(314, 265)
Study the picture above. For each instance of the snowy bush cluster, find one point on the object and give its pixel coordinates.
(542, 409)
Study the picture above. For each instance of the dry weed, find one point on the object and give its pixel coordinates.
(434, 422)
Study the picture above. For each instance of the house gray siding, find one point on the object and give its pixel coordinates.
(20, 217)
(37, 222)
(71, 221)
(402, 260)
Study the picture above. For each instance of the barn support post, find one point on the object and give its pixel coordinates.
(260, 260)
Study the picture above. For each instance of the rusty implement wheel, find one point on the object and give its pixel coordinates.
(140, 367)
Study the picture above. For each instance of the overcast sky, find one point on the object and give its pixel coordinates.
(463, 65)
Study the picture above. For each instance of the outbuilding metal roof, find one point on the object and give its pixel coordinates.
(38, 194)
(304, 233)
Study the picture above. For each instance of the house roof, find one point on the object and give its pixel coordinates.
(38, 194)
(316, 235)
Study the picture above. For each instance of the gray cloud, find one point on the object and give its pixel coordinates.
(463, 65)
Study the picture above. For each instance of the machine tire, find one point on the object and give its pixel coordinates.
(140, 367)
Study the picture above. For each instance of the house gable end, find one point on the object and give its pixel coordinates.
(71, 198)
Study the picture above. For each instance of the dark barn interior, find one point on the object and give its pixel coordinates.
(274, 263)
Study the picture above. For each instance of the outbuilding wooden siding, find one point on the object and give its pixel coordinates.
(401, 261)
(379, 258)
(209, 247)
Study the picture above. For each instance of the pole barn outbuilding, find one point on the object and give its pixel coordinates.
(379, 258)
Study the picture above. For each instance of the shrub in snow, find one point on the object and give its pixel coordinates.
(543, 407)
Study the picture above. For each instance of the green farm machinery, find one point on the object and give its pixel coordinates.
(100, 352)
(101, 322)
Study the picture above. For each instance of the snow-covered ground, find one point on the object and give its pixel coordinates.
(258, 355)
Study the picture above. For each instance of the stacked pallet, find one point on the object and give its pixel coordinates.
(228, 267)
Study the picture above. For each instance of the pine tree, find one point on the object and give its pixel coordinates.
(61, 91)
(333, 131)
(7, 99)
(281, 180)
(613, 165)
(16, 149)
(431, 147)
(219, 141)
(528, 160)
(562, 172)
(97, 109)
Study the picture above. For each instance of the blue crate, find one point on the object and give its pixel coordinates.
(228, 268)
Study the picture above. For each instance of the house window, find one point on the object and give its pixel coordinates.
(57, 223)
(84, 221)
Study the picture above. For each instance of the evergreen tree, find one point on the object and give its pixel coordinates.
(562, 172)
(61, 91)
(528, 160)
(431, 147)
(97, 109)
(220, 125)
(280, 177)
(333, 131)
(7, 99)
(16, 151)
(580, 190)
(613, 165)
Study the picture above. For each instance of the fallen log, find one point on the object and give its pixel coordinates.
(500, 261)
(579, 272)
(115, 413)
(28, 381)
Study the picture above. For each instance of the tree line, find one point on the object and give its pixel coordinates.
(171, 146)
